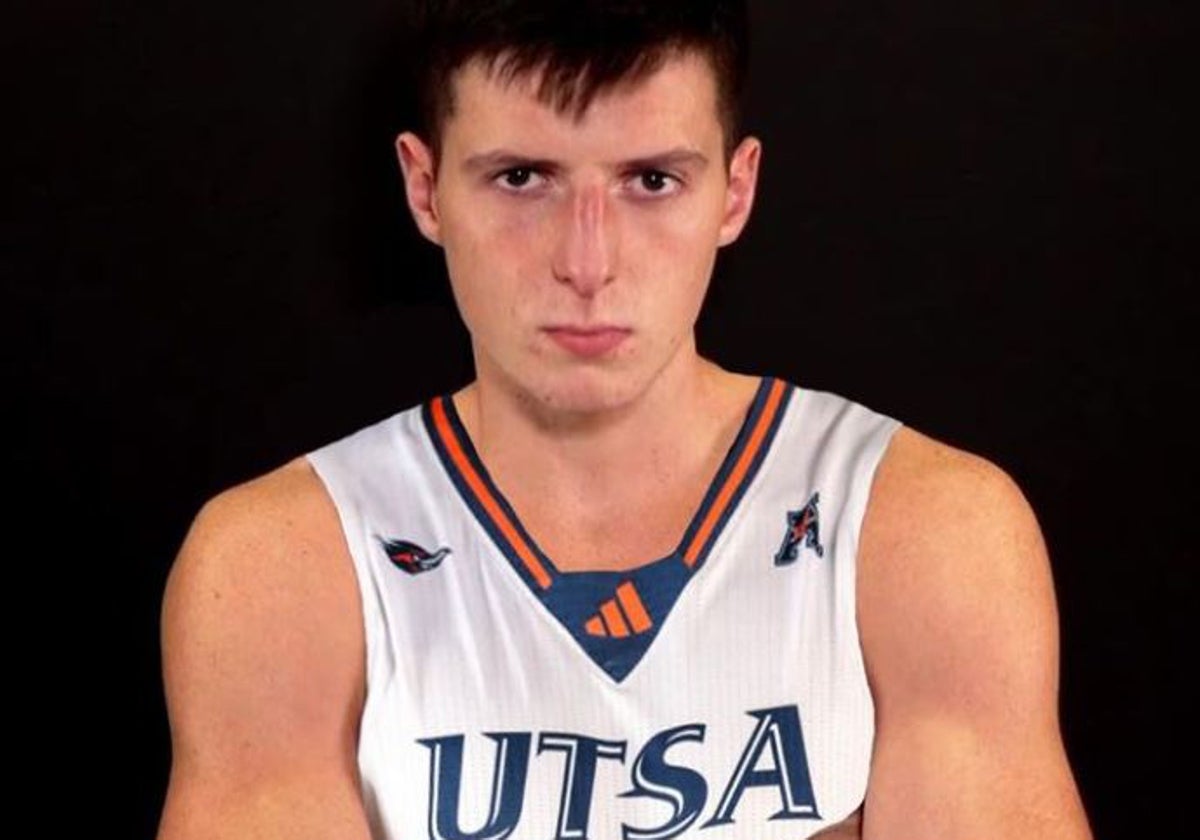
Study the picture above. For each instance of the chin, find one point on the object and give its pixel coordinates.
(585, 391)
(551, 384)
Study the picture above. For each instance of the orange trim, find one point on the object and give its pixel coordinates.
(442, 423)
(612, 617)
(595, 626)
(736, 474)
(634, 608)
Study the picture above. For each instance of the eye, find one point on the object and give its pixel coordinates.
(516, 178)
(657, 182)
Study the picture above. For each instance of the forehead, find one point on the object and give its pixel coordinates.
(675, 104)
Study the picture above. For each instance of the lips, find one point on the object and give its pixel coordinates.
(588, 342)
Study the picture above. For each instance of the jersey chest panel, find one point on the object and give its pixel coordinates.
(748, 715)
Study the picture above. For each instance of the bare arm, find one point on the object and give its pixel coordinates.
(263, 669)
(960, 634)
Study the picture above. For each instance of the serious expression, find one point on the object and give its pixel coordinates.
(580, 251)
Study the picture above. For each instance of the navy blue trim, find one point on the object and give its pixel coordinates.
(468, 496)
(574, 596)
(735, 452)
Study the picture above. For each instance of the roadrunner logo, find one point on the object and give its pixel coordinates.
(411, 557)
(803, 527)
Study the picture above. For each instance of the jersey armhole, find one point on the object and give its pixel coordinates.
(875, 448)
(350, 524)
(862, 484)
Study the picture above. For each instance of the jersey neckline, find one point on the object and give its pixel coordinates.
(637, 598)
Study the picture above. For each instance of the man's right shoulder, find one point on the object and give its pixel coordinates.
(265, 565)
(285, 510)
(263, 664)
(278, 531)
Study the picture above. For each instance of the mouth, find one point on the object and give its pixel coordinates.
(588, 342)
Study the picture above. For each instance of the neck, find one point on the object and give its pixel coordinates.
(673, 433)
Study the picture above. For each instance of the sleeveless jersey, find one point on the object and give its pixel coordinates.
(718, 692)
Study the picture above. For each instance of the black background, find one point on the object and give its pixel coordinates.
(977, 218)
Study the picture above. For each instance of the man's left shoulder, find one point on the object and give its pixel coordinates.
(954, 576)
(928, 495)
(959, 631)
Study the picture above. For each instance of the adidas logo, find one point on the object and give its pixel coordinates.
(620, 616)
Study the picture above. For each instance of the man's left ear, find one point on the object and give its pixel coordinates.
(739, 193)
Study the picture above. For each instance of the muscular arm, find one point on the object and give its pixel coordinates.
(263, 669)
(959, 631)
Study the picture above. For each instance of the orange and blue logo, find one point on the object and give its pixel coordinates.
(802, 532)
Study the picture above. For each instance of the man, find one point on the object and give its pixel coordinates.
(610, 589)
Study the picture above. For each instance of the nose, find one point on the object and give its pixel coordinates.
(585, 248)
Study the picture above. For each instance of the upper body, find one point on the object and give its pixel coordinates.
(579, 250)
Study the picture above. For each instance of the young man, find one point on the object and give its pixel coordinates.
(610, 589)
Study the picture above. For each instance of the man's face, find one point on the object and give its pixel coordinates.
(579, 253)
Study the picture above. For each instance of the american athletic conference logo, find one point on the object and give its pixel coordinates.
(411, 557)
(803, 527)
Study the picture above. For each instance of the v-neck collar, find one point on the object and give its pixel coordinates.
(613, 615)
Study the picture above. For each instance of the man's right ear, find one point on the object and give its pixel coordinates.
(416, 164)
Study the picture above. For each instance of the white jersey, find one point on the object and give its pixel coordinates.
(718, 692)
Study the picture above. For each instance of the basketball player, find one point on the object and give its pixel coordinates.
(610, 589)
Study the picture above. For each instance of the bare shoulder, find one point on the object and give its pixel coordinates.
(262, 644)
(959, 632)
(282, 511)
(950, 546)
(271, 547)
(920, 470)
(939, 510)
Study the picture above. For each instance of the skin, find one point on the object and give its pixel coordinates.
(588, 239)
(262, 625)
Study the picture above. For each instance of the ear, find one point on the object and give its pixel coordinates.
(420, 183)
(739, 192)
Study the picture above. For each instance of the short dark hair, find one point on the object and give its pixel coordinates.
(583, 46)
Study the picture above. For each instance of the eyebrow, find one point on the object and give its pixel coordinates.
(503, 158)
